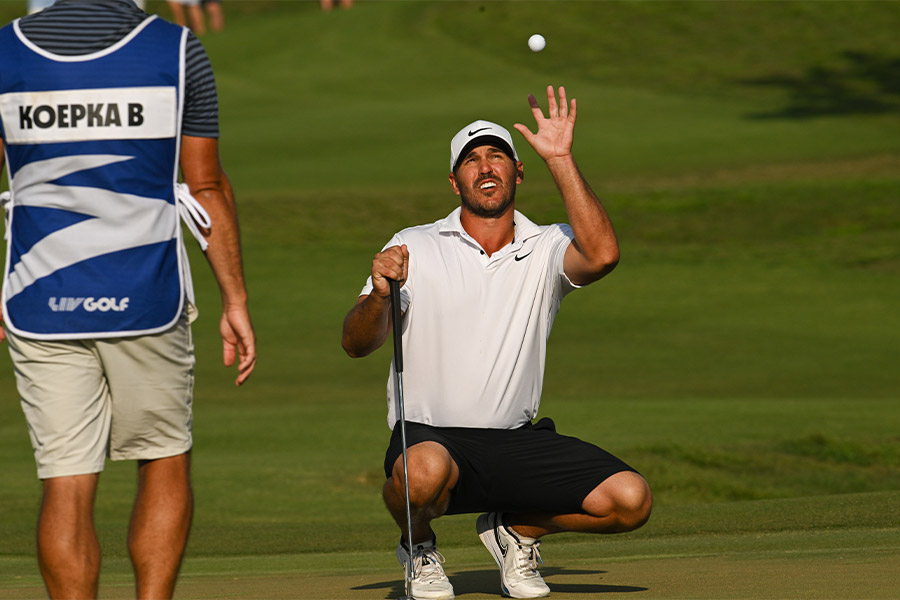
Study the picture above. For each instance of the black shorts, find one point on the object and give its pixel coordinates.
(529, 469)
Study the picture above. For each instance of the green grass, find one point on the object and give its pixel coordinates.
(742, 355)
(835, 546)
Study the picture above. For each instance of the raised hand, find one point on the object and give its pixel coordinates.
(555, 132)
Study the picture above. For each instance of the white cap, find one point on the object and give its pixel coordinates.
(480, 133)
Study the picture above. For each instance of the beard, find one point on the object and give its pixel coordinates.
(495, 205)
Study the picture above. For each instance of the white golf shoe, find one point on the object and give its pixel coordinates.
(429, 582)
(517, 557)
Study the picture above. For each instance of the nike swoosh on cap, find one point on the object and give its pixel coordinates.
(471, 133)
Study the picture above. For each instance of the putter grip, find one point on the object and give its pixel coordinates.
(397, 319)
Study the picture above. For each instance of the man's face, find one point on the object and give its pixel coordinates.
(486, 180)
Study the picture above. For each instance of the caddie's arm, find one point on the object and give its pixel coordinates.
(595, 250)
(209, 184)
(369, 322)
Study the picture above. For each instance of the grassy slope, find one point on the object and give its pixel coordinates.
(401, 75)
(743, 351)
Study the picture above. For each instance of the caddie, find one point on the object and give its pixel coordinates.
(101, 106)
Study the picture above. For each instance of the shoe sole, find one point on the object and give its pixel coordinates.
(427, 596)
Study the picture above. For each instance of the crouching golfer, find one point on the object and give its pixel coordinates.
(480, 290)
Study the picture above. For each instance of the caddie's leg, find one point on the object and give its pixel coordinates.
(160, 523)
(68, 550)
(620, 503)
(432, 474)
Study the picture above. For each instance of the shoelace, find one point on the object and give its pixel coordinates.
(427, 565)
(528, 556)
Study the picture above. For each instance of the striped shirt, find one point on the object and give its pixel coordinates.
(73, 28)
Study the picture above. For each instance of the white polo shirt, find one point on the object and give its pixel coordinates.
(475, 327)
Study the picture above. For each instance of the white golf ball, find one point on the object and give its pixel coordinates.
(537, 42)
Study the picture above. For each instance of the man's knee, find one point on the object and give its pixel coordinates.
(70, 497)
(431, 471)
(637, 501)
(626, 495)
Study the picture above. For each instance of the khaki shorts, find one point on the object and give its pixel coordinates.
(126, 398)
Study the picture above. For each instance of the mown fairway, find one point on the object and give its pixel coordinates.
(743, 355)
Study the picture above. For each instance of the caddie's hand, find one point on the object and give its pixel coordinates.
(556, 131)
(390, 263)
(238, 341)
(2, 331)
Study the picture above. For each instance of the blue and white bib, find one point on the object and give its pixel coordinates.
(92, 144)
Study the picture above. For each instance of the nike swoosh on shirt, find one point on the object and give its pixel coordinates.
(518, 258)
(471, 133)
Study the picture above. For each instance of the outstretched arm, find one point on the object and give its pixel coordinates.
(210, 186)
(595, 250)
(368, 323)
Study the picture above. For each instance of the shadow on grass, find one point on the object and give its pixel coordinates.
(861, 83)
(487, 581)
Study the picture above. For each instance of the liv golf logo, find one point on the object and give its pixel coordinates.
(91, 304)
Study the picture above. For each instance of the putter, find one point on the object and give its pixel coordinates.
(396, 317)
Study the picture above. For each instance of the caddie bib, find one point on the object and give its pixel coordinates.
(92, 143)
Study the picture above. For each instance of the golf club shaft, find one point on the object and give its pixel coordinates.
(396, 318)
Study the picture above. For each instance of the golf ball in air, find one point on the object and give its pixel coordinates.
(537, 42)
